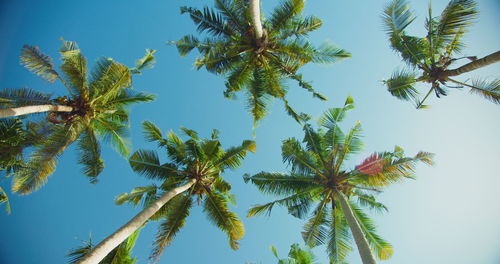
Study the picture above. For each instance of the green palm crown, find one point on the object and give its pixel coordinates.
(319, 176)
(430, 58)
(258, 66)
(201, 160)
(98, 103)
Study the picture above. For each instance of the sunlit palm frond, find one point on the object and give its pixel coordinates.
(146, 62)
(137, 195)
(208, 20)
(90, 154)
(300, 160)
(174, 221)
(333, 116)
(4, 199)
(153, 134)
(40, 64)
(108, 79)
(43, 161)
(215, 206)
(352, 144)
(234, 13)
(397, 16)
(457, 15)
(382, 248)
(114, 132)
(74, 67)
(282, 15)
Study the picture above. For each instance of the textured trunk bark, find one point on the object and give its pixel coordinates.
(490, 59)
(361, 242)
(25, 110)
(257, 24)
(108, 244)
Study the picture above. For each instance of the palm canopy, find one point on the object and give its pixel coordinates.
(98, 104)
(120, 255)
(257, 66)
(319, 176)
(430, 58)
(201, 160)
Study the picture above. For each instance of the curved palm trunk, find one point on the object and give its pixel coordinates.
(256, 22)
(361, 242)
(490, 59)
(25, 110)
(102, 249)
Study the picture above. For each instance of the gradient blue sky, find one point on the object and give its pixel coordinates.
(449, 215)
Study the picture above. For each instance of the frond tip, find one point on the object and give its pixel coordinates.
(40, 64)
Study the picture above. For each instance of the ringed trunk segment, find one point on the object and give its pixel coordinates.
(256, 22)
(359, 237)
(102, 249)
(490, 59)
(26, 110)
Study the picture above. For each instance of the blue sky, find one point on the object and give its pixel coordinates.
(448, 215)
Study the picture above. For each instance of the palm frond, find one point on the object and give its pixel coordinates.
(147, 163)
(382, 248)
(352, 144)
(107, 79)
(397, 16)
(152, 133)
(90, 154)
(284, 13)
(315, 230)
(339, 244)
(233, 13)
(145, 194)
(186, 44)
(40, 64)
(457, 15)
(215, 206)
(74, 67)
(208, 20)
(301, 27)
(301, 161)
(146, 62)
(490, 90)
(42, 162)
(333, 116)
(175, 220)
(22, 97)
(233, 156)
(298, 204)
(279, 183)
(402, 85)
(114, 132)
(369, 201)
(328, 53)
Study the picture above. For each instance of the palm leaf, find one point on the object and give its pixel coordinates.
(298, 203)
(146, 62)
(4, 199)
(402, 85)
(90, 154)
(74, 67)
(284, 13)
(315, 232)
(457, 15)
(147, 163)
(175, 220)
(281, 184)
(208, 20)
(137, 195)
(153, 133)
(490, 90)
(22, 97)
(215, 206)
(339, 244)
(114, 132)
(233, 157)
(40, 64)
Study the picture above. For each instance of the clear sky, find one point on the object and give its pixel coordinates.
(450, 214)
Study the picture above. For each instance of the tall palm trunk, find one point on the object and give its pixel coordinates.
(490, 59)
(256, 22)
(361, 241)
(24, 110)
(102, 249)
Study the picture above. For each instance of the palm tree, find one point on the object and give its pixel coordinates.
(120, 255)
(434, 54)
(94, 107)
(257, 55)
(296, 255)
(193, 174)
(319, 176)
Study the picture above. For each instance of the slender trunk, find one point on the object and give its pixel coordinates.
(25, 110)
(256, 22)
(102, 249)
(361, 241)
(490, 59)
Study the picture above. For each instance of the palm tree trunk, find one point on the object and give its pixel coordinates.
(490, 59)
(256, 22)
(361, 242)
(25, 110)
(102, 249)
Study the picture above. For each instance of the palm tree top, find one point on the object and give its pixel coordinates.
(431, 58)
(319, 175)
(195, 159)
(259, 66)
(96, 107)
